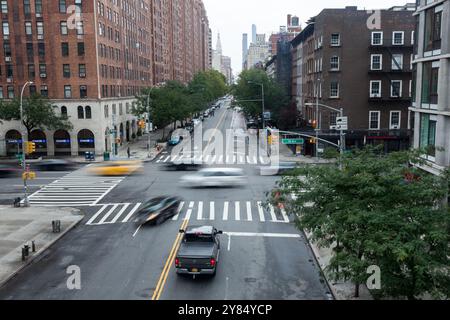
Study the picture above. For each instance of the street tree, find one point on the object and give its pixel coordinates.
(248, 94)
(38, 113)
(378, 211)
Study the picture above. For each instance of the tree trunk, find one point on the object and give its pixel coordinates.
(357, 290)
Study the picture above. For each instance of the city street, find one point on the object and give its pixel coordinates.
(263, 255)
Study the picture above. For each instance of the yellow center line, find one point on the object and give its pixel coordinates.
(163, 278)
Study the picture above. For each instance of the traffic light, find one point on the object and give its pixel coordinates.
(30, 147)
(312, 141)
(314, 124)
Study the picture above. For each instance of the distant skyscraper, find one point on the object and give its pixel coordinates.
(254, 33)
(244, 48)
(219, 44)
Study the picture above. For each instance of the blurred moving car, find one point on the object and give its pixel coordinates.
(7, 170)
(117, 168)
(175, 140)
(158, 210)
(180, 166)
(54, 165)
(215, 177)
(281, 168)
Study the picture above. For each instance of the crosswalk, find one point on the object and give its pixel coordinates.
(241, 211)
(76, 190)
(215, 159)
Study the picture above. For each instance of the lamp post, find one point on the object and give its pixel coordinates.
(262, 101)
(24, 137)
(317, 120)
(148, 121)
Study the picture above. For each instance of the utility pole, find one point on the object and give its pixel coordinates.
(263, 106)
(342, 141)
(148, 122)
(24, 144)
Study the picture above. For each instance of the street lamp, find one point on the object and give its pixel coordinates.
(262, 101)
(24, 137)
(317, 120)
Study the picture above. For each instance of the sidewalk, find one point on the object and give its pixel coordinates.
(21, 226)
(286, 155)
(341, 290)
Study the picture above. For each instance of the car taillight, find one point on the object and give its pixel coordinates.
(177, 262)
(212, 262)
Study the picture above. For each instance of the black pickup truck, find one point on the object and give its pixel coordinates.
(199, 251)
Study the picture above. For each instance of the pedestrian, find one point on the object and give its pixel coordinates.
(129, 153)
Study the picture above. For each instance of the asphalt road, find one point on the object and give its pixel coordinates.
(263, 256)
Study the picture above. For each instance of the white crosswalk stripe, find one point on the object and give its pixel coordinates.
(196, 211)
(76, 190)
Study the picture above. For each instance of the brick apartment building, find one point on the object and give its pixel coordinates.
(92, 64)
(366, 71)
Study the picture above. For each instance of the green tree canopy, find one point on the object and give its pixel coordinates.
(248, 88)
(378, 211)
(38, 113)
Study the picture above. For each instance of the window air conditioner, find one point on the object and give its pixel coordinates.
(43, 75)
(395, 127)
(8, 59)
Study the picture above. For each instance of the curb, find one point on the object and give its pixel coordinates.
(40, 252)
(316, 257)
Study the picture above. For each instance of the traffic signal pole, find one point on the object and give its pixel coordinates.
(24, 146)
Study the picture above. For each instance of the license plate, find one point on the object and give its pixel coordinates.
(194, 270)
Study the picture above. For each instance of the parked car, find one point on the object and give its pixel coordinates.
(199, 251)
(215, 177)
(158, 210)
(7, 170)
(175, 140)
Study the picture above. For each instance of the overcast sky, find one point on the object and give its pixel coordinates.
(232, 18)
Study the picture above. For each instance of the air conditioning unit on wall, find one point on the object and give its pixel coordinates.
(395, 127)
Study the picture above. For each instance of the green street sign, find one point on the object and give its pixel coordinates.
(293, 141)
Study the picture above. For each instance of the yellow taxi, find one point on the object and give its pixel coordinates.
(117, 168)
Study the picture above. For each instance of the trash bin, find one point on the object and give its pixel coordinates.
(106, 156)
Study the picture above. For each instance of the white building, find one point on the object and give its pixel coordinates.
(258, 51)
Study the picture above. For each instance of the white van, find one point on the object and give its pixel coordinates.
(215, 177)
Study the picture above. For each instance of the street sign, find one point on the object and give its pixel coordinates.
(293, 141)
(342, 123)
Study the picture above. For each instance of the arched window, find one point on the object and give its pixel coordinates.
(80, 112)
(88, 112)
(64, 111)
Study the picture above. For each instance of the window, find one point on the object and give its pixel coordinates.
(64, 112)
(31, 71)
(82, 70)
(80, 28)
(66, 70)
(63, 27)
(28, 28)
(30, 51)
(433, 28)
(80, 112)
(65, 49)
(335, 40)
(375, 89)
(4, 7)
(376, 62)
(412, 37)
(334, 63)
(80, 48)
(397, 62)
(334, 89)
(430, 80)
(68, 92)
(44, 91)
(62, 6)
(398, 38)
(7, 49)
(428, 134)
(395, 120)
(374, 120)
(40, 29)
(32, 89)
(9, 71)
(83, 94)
(43, 70)
(41, 49)
(333, 118)
(377, 38)
(106, 111)
(120, 109)
(5, 29)
(38, 6)
(88, 112)
(1, 92)
(79, 4)
(396, 89)
(26, 7)
(10, 90)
